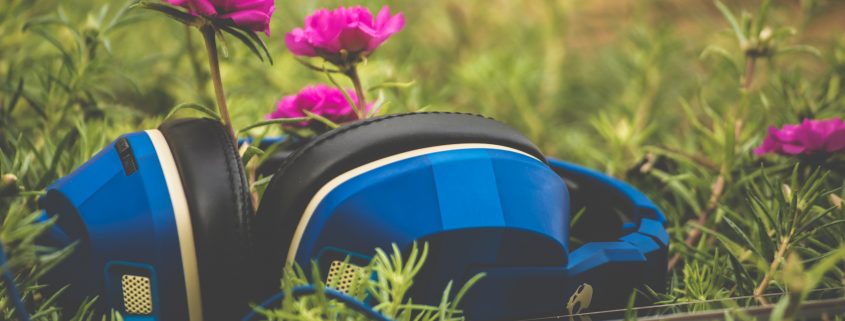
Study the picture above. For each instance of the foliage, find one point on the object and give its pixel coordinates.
(393, 278)
(670, 96)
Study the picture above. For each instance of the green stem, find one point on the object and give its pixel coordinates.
(761, 289)
(200, 76)
(748, 76)
(214, 64)
(361, 110)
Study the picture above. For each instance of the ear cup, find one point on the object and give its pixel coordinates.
(303, 173)
(218, 198)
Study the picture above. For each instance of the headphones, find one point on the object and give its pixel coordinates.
(166, 231)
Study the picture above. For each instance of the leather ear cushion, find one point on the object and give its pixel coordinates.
(302, 174)
(218, 198)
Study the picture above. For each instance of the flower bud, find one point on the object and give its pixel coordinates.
(787, 191)
(836, 200)
(8, 184)
(765, 34)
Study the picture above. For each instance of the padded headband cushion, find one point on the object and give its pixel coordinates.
(325, 157)
(219, 202)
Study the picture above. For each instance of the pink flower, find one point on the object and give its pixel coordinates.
(252, 15)
(352, 29)
(321, 100)
(809, 137)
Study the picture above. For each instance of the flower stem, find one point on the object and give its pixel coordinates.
(352, 73)
(748, 76)
(214, 64)
(761, 289)
(716, 190)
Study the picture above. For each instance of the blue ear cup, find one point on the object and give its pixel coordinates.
(309, 168)
(481, 195)
(162, 218)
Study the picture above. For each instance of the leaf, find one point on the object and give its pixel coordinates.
(243, 38)
(251, 151)
(465, 288)
(15, 97)
(400, 85)
(321, 119)
(762, 15)
(223, 43)
(46, 21)
(732, 21)
(261, 44)
(314, 67)
(58, 45)
(118, 18)
(729, 145)
(817, 272)
(762, 234)
(677, 186)
(262, 182)
(378, 105)
(575, 218)
(742, 234)
(345, 94)
(833, 88)
(200, 108)
(821, 227)
(170, 11)
(720, 52)
(276, 121)
(68, 141)
(801, 49)
(810, 222)
(741, 275)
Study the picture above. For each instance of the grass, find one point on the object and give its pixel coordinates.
(668, 95)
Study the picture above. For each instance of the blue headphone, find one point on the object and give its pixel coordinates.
(166, 229)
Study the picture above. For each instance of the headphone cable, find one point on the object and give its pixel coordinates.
(349, 301)
(11, 289)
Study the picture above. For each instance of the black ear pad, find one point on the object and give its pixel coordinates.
(303, 173)
(218, 198)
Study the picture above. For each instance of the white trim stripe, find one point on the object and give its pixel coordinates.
(184, 229)
(355, 172)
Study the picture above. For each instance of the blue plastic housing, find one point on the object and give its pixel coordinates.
(124, 224)
(490, 211)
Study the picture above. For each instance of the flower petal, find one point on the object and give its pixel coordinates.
(202, 7)
(298, 44)
(250, 19)
(836, 140)
(355, 39)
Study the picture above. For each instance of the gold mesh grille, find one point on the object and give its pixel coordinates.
(345, 277)
(137, 294)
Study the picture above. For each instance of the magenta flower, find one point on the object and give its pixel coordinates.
(253, 15)
(353, 30)
(809, 137)
(322, 100)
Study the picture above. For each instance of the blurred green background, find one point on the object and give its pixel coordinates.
(553, 69)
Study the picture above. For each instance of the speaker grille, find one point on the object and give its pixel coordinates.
(345, 277)
(137, 294)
